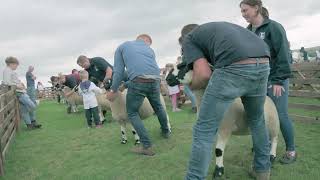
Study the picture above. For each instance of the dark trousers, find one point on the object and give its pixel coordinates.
(92, 112)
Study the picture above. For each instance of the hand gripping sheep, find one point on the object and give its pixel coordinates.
(235, 123)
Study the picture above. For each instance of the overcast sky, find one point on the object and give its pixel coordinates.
(51, 34)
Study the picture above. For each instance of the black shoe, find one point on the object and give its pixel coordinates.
(30, 127)
(36, 125)
(166, 135)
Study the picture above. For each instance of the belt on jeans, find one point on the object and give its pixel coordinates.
(253, 61)
(142, 80)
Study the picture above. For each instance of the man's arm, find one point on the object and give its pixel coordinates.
(108, 74)
(71, 92)
(201, 74)
(33, 76)
(118, 70)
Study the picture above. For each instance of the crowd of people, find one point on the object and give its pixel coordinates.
(250, 63)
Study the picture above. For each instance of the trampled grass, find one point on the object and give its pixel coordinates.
(65, 149)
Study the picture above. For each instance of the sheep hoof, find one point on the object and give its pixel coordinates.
(272, 159)
(218, 172)
(137, 142)
(124, 141)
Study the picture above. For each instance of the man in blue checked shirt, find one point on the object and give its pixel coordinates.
(144, 81)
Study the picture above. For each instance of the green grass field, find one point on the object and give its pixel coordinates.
(65, 149)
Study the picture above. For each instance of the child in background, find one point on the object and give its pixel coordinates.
(88, 91)
(173, 87)
(27, 106)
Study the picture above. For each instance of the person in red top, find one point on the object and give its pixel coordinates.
(75, 72)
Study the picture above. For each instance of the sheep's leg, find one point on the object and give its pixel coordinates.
(222, 140)
(273, 152)
(104, 113)
(136, 136)
(168, 123)
(73, 107)
(102, 119)
(123, 134)
(69, 108)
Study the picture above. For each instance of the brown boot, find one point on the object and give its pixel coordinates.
(259, 176)
(143, 151)
(263, 176)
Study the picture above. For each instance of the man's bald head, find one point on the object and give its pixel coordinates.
(30, 68)
(146, 38)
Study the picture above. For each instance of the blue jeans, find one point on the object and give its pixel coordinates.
(286, 125)
(27, 108)
(135, 97)
(248, 82)
(31, 91)
(190, 94)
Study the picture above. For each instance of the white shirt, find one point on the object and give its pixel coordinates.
(10, 78)
(89, 96)
(40, 87)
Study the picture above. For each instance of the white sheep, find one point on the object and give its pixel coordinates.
(75, 99)
(119, 113)
(235, 123)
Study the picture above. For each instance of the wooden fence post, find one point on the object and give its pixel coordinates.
(1, 165)
(9, 121)
(17, 116)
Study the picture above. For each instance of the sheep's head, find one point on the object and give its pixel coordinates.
(187, 78)
(107, 84)
(184, 73)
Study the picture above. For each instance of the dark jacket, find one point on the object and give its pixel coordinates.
(275, 36)
(171, 79)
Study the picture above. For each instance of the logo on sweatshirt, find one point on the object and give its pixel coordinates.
(262, 35)
(96, 68)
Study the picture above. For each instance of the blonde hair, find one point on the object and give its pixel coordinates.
(83, 74)
(11, 60)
